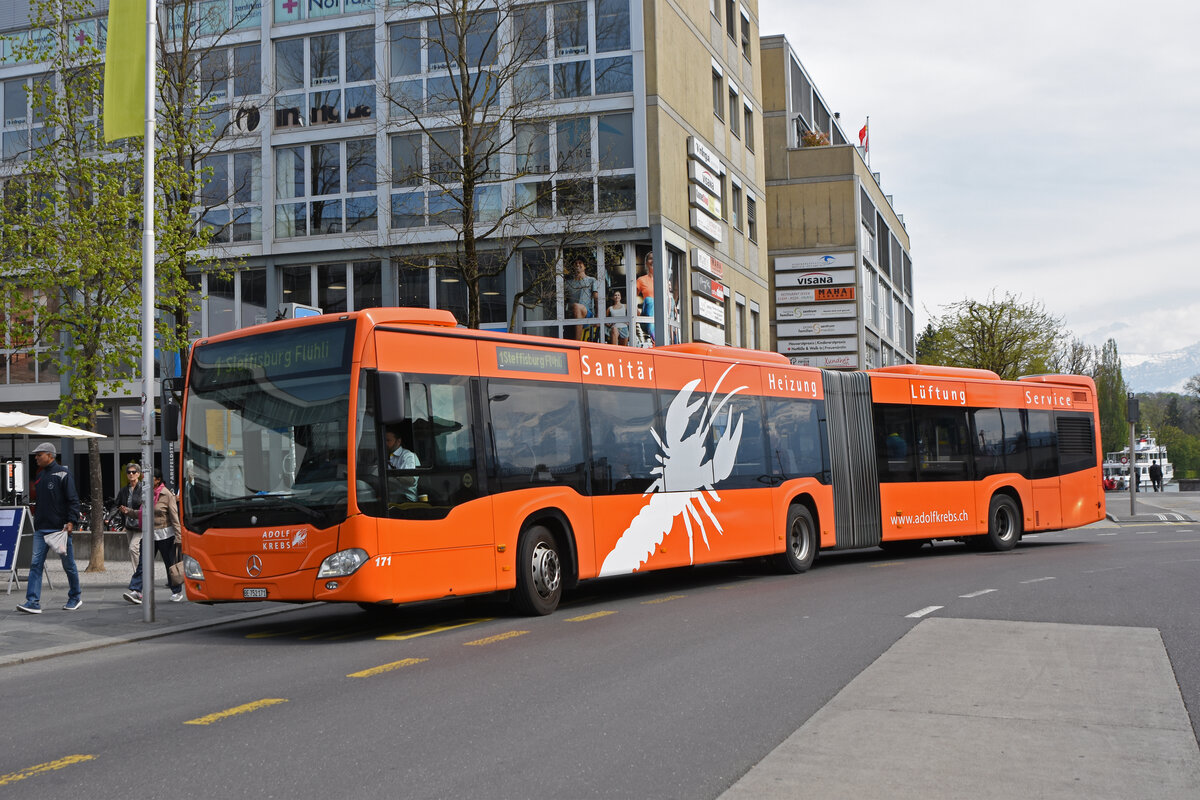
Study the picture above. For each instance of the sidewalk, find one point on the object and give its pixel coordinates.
(1153, 506)
(105, 618)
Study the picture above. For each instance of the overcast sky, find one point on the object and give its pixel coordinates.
(1047, 148)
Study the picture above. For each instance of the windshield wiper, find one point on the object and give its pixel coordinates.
(254, 502)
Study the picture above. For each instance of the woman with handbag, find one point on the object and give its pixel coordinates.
(166, 528)
(129, 503)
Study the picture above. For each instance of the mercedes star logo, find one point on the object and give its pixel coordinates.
(254, 566)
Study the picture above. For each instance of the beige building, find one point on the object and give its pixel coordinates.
(839, 253)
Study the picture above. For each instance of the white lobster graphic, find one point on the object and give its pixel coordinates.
(683, 480)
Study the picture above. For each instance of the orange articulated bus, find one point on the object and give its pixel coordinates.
(388, 456)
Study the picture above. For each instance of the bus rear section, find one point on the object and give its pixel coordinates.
(960, 453)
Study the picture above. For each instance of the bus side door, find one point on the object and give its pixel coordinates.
(1043, 466)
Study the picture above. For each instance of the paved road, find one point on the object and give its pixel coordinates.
(1059, 670)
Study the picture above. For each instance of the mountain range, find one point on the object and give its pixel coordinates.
(1160, 372)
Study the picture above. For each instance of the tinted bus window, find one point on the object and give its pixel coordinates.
(1043, 444)
(536, 434)
(943, 443)
(1016, 449)
(1076, 442)
(895, 445)
(623, 449)
(749, 468)
(988, 441)
(794, 438)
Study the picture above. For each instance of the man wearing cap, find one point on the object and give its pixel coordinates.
(56, 507)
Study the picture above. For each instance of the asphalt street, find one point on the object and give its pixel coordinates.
(945, 711)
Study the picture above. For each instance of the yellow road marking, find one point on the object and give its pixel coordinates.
(666, 599)
(499, 637)
(382, 668)
(49, 766)
(586, 617)
(399, 637)
(266, 635)
(886, 564)
(233, 712)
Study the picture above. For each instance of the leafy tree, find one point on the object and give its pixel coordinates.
(1073, 357)
(72, 262)
(1183, 450)
(1113, 398)
(1009, 336)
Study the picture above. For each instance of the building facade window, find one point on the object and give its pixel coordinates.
(325, 188)
(325, 79)
(718, 94)
(751, 219)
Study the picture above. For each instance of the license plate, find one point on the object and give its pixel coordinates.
(254, 593)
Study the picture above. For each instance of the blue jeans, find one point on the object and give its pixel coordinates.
(33, 588)
(166, 549)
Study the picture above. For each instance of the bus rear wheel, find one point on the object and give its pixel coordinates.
(539, 573)
(800, 548)
(1004, 524)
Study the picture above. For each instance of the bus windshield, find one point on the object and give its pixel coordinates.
(266, 428)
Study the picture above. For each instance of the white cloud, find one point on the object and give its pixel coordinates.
(1045, 148)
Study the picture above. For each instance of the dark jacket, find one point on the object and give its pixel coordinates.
(57, 502)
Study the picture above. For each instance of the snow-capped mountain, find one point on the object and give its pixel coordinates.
(1160, 372)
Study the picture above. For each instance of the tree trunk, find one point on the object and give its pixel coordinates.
(96, 482)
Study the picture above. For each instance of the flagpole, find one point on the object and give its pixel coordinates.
(148, 320)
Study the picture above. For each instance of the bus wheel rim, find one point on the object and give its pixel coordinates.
(1004, 524)
(799, 540)
(547, 572)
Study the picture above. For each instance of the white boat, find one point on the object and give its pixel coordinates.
(1146, 451)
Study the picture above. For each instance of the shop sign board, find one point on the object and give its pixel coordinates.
(707, 263)
(702, 175)
(828, 345)
(707, 226)
(707, 286)
(828, 277)
(703, 332)
(817, 327)
(704, 308)
(816, 311)
(824, 294)
(821, 261)
(844, 361)
(705, 201)
(698, 150)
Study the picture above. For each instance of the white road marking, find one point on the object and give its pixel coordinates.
(923, 612)
(975, 594)
(1039, 580)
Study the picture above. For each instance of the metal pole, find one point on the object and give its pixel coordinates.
(148, 320)
(1132, 471)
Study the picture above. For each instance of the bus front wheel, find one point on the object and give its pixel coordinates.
(1004, 524)
(800, 548)
(539, 573)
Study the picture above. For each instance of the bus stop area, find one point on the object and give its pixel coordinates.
(106, 618)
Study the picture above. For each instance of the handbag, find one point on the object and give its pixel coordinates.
(133, 520)
(57, 541)
(175, 571)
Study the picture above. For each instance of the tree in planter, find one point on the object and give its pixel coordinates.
(72, 258)
(482, 150)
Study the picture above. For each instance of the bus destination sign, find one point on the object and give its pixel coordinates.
(522, 359)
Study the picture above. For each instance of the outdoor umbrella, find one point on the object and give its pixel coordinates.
(16, 422)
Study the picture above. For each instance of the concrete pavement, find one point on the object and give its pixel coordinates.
(106, 618)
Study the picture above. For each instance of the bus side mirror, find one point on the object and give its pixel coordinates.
(391, 398)
(170, 421)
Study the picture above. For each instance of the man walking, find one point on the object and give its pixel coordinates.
(56, 508)
(1156, 476)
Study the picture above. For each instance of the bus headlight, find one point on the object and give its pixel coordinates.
(191, 568)
(342, 563)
